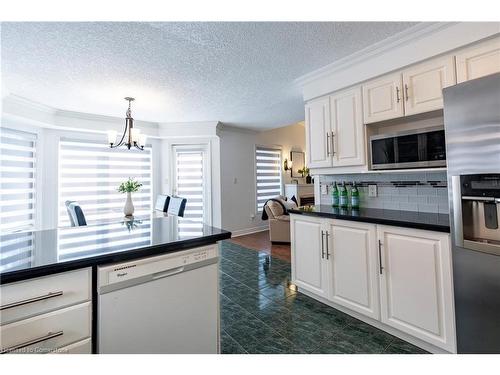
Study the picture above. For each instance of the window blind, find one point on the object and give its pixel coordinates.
(268, 174)
(17, 179)
(190, 182)
(90, 173)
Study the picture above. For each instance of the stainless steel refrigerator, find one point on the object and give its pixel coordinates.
(472, 131)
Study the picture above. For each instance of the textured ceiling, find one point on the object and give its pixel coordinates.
(237, 73)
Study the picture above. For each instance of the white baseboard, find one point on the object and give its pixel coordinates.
(243, 232)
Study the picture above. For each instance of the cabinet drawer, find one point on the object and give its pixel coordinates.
(80, 347)
(37, 296)
(47, 332)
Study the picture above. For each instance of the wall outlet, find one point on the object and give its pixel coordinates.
(252, 216)
(324, 189)
(372, 191)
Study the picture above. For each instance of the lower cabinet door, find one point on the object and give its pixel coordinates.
(309, 265)
(353, 266)
(416, 291)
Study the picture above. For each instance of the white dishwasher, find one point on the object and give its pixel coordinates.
(162, 304)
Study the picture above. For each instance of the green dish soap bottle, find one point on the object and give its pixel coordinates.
(354, 197)
(343, 196)
(335, 195)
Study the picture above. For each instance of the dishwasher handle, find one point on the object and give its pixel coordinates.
(167, 273)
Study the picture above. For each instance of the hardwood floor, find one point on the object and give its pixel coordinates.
(260, 242)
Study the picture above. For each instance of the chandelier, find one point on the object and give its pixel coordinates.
(131, 137)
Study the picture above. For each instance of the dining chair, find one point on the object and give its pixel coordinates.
(75, 212)
(176, 206)
(162, 202)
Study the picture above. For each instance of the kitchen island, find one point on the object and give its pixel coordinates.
(58, 284)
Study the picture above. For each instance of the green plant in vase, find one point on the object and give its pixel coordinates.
(304, 172)
(130, 186)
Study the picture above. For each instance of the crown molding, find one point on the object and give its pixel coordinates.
(412, 46)
(404, 37)
(27, 103)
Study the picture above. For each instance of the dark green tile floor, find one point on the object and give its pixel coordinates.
(260, 314)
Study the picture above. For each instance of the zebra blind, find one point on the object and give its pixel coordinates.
(190, 182)
(90, 173)
(17, 180)
(268, 174)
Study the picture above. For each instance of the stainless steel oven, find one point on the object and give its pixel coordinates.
(422, 148)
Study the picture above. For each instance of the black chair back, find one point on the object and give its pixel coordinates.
(176, 206)
(75, 212)
(162, 202)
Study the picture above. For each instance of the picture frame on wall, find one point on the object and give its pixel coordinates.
(298, 162)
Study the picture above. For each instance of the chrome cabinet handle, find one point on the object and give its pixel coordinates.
(327, 249)
(397, 94)
(327, 144)
(406, 92)
(322, 245)
(48, 336)
(31, 300)
(380, 257)
(333, 144)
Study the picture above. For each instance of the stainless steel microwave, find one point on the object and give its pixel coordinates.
(422, 148)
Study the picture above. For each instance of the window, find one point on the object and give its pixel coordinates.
(268, 174)
(17, 197)
(90, 173)
(17, 176)
(191, 180)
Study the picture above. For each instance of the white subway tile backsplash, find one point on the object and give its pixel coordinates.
(415, 191)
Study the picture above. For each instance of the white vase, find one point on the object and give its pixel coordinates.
(128, 210)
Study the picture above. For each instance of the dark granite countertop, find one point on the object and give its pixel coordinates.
(408, 219)
(25, 255)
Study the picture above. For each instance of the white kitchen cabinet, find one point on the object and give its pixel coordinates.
(318, 133)
(309, 263)
(353, 266)
(48, 332)
(478, 61)
(423, 84)
(26, 298)
(348, 135)
(383, 98)
(416, 290)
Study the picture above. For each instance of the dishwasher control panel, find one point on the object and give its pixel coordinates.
(155, 265)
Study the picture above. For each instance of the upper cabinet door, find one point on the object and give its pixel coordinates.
(348, 135)
(318, 134)
(478, 61)
(383, 99)
(423, 85)
(416, 290)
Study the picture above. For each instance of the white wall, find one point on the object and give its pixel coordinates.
(238, 172)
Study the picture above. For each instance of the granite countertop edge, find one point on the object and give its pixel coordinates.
(98, 260)
(393, 221)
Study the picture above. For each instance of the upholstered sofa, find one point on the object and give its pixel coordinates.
(279, 222)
